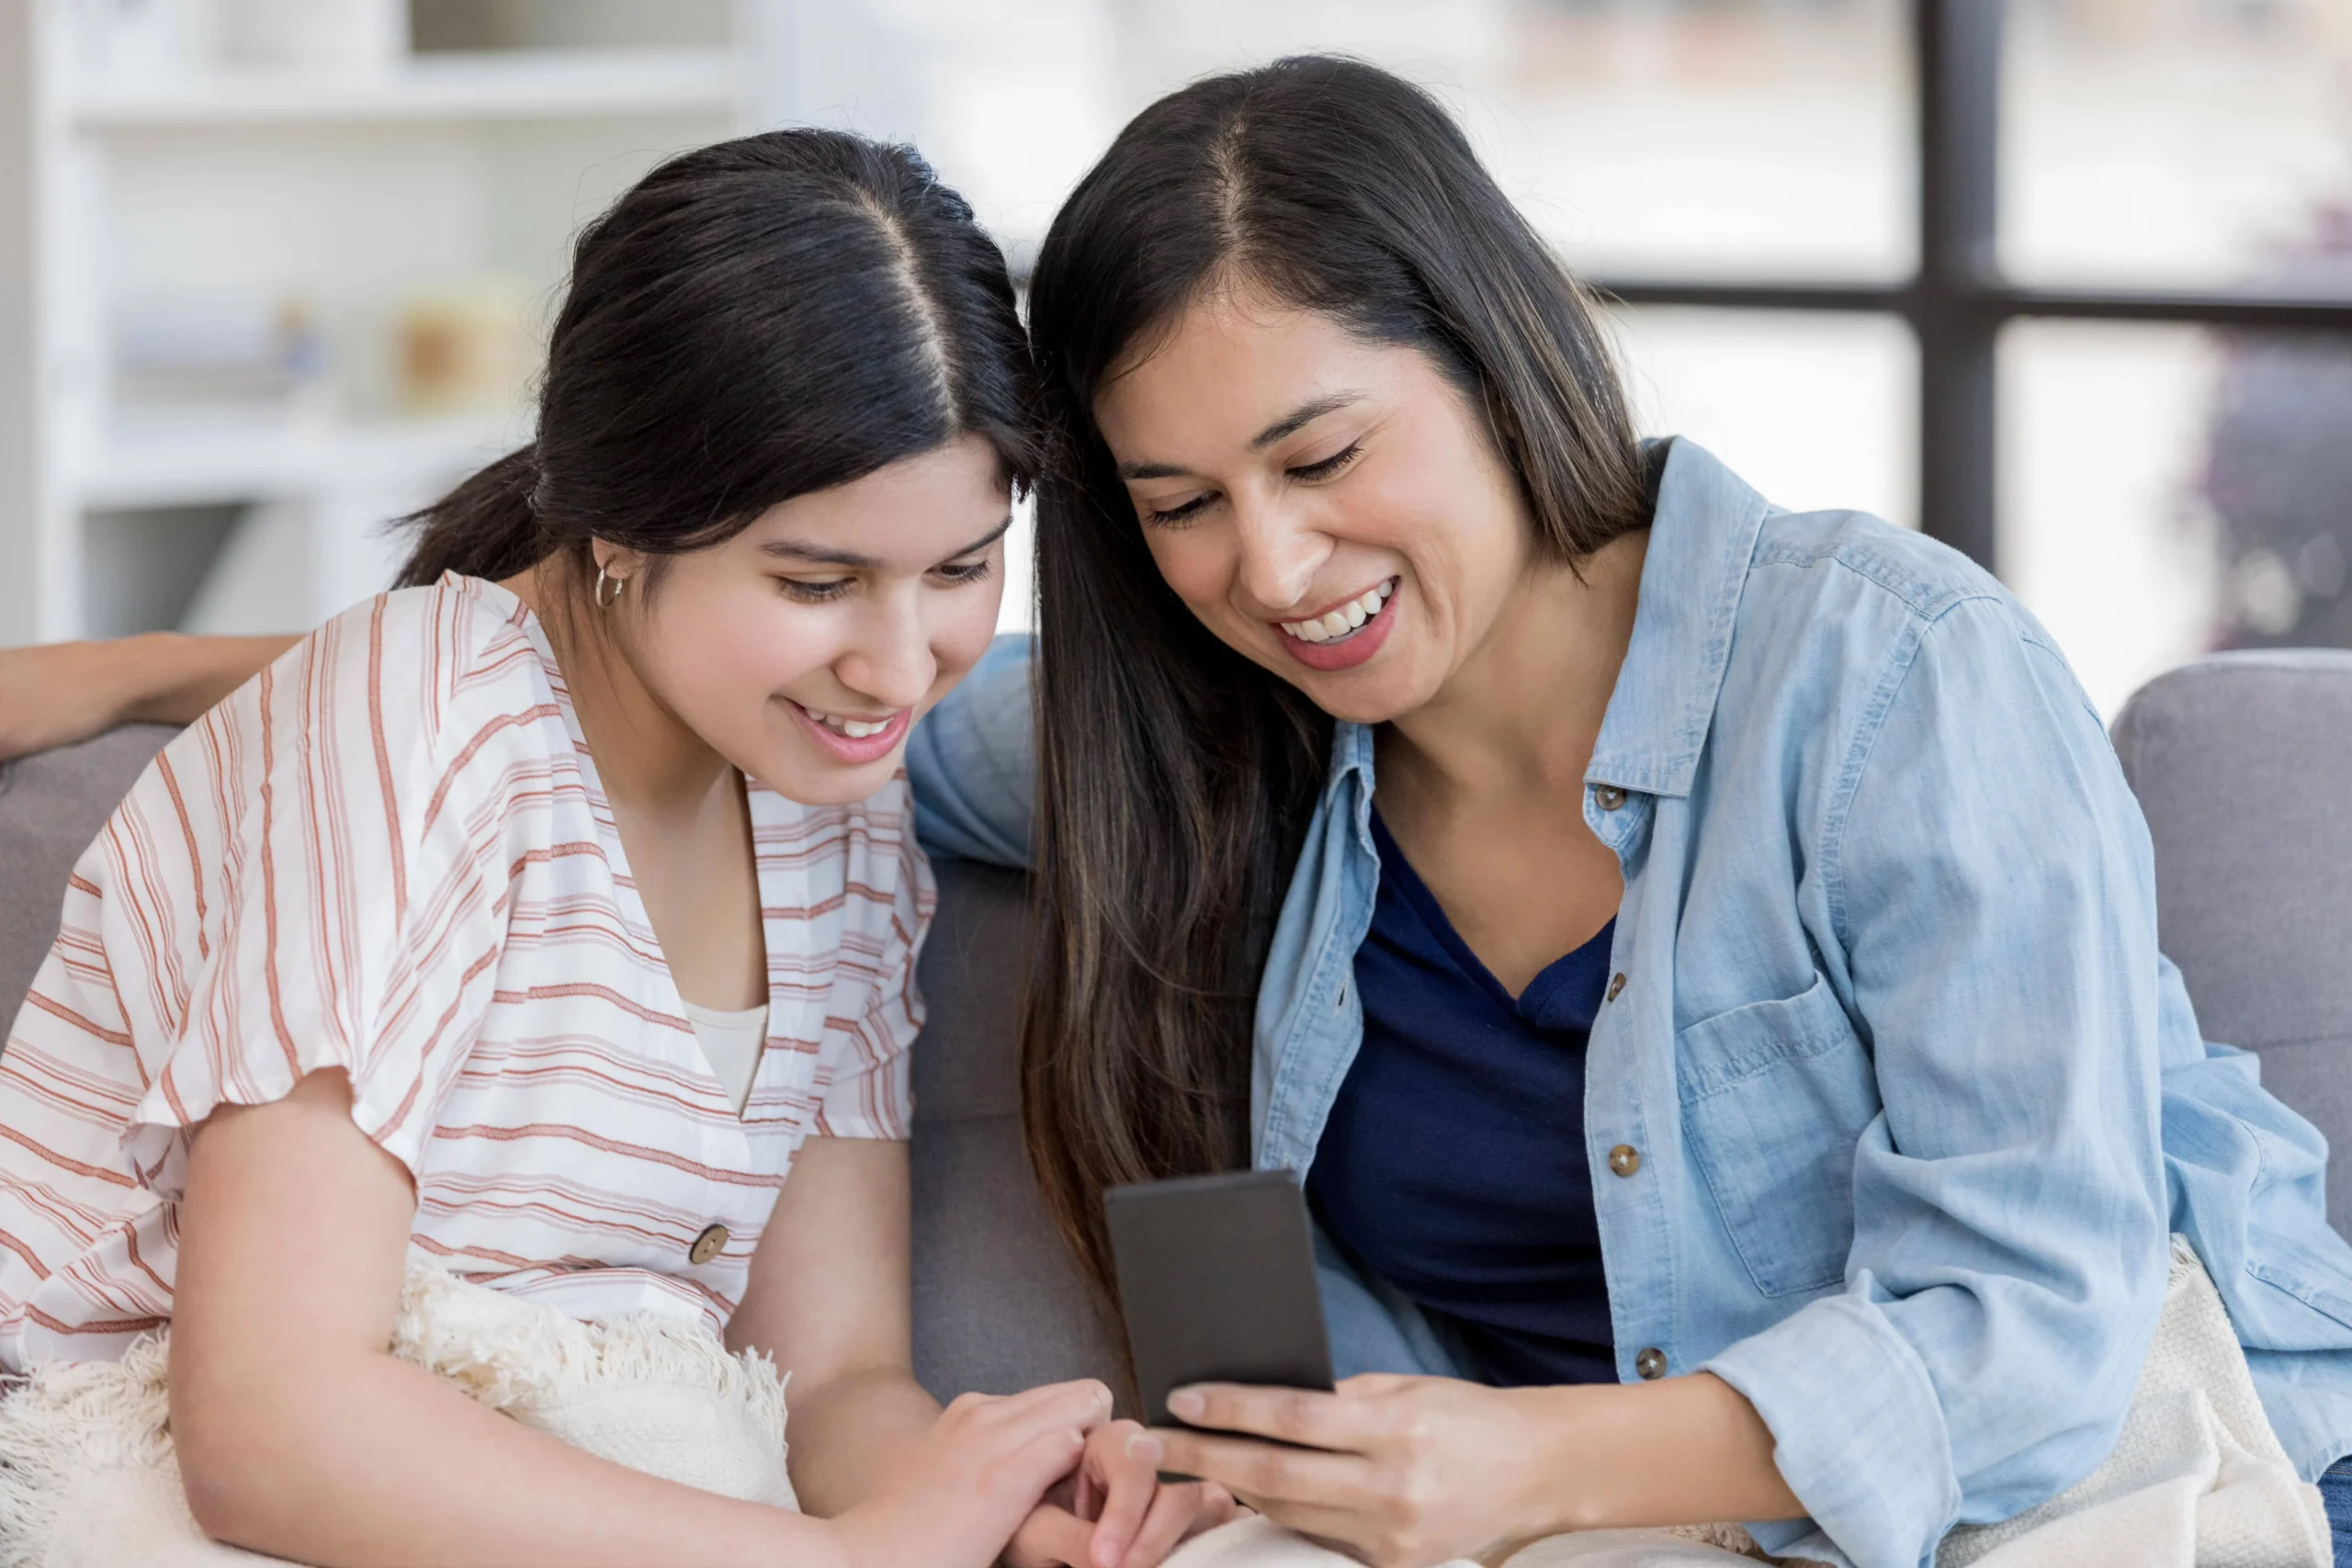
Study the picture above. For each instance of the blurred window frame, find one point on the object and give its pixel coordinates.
(1958, 300)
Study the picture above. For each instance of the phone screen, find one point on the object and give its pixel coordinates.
(1216, 1275)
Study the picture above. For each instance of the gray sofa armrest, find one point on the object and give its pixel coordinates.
(2243, 764)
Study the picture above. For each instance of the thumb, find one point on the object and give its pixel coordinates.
(1050, 1537)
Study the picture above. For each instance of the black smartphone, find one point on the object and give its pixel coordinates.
(1218, 1276)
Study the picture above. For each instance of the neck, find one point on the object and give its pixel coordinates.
(648, 761)
(1523, 710)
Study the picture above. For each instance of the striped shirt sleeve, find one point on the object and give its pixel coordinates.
(355, 864)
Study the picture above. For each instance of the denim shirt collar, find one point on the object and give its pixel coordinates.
(1702, 536)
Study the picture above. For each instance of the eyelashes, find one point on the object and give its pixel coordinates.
(826, 592)
(1330, 468)
(1321, 472)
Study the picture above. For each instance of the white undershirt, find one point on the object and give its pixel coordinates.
(731, 1044)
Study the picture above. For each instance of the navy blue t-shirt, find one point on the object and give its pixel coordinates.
(1454, 1162)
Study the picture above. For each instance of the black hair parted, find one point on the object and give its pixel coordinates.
(1175, 777)
(751, 322)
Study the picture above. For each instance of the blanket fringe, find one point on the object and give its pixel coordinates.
(63, 1421)
(509, 1354)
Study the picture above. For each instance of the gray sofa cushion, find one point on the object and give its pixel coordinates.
(2243, 764)
(51, 805)
(997, 1306)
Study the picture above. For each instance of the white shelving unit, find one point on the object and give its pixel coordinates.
(353, 192)
(537, 85)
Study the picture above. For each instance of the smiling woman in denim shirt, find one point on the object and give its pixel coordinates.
(1731, 1049)
(1729, 1056)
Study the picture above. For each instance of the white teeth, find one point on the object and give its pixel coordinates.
(1345, 619)
(855, 729)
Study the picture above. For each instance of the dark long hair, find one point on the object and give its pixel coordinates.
(751, 322)
(1175, 777)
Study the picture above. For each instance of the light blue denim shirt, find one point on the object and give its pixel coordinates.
(1917, 1098)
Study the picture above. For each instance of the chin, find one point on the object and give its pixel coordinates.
(811, 782)
(1354, 707)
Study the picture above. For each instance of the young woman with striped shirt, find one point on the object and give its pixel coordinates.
(536, 919)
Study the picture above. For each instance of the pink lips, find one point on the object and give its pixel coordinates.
(854, 750)
(1348, 651)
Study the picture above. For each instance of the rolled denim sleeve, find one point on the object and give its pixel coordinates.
(1991, 896)
(973, 761)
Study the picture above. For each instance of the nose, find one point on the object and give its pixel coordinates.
(1279, 555)
(889, 660)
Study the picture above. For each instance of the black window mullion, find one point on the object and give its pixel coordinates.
(1958, 301)
(1956, 48)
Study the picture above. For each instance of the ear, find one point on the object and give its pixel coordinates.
(617, 562)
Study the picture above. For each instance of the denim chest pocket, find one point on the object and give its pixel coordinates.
(1775, 1096)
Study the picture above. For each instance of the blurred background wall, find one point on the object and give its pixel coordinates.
(272, 271)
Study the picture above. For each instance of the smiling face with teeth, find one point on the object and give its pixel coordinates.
(1334, 509)
(803, 648)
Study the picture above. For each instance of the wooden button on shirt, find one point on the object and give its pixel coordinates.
(707, 1245)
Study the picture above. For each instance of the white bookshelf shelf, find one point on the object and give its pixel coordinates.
(520, 86)
(147, 171)
(203, 462)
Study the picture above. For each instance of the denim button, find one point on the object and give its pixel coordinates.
(1650, 1364)
(1624, 1159)
(1609, 797)
(1616, 986)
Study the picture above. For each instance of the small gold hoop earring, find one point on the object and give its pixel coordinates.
(619, 585)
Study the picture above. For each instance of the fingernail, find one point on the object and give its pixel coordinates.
(1186, 1404)
(1146, 1448)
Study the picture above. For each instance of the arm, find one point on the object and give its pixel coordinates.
(972, 762)
(1990, 903)
(56, 694)
(829, 1297)
(301, 1435)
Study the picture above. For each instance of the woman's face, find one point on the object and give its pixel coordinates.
(803, 648)
(1333, 508)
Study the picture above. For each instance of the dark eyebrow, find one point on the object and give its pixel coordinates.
(1290, 424)
(1301, 417)
(850, 561)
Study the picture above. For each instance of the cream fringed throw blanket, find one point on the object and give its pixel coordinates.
(89, 1479)
(2196, 1479)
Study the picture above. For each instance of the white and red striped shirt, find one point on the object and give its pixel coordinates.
(390, 853)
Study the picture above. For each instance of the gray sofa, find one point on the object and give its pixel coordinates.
(2242, 762)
